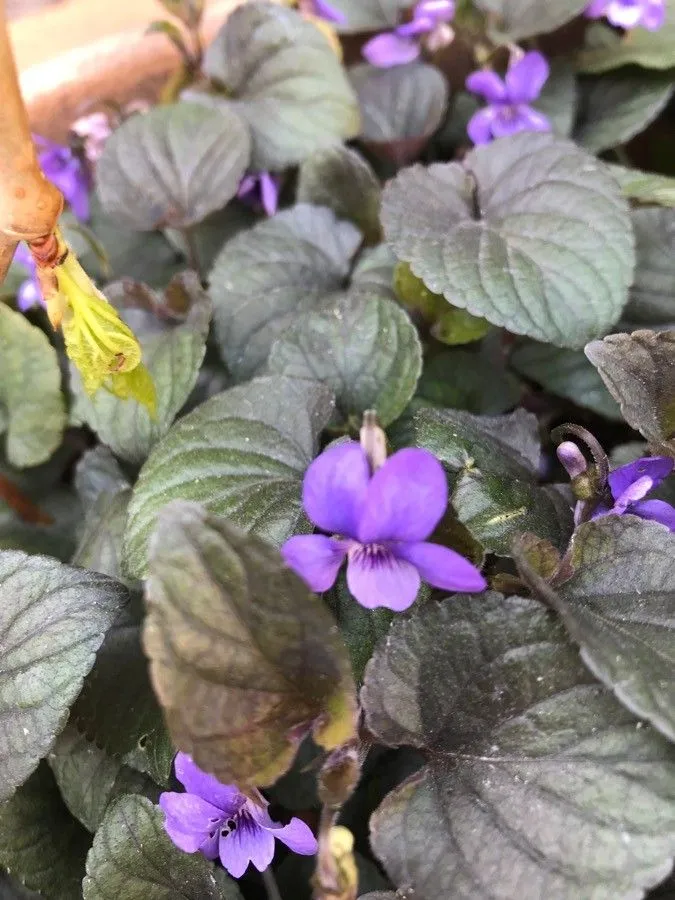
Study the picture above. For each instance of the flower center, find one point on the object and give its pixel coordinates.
(375, 556)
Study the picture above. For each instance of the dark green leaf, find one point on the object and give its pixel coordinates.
(404, 103)
(639, 370)
(475, 382)
(244, 659)
(652, 297)
(283, 77)
(342, 180)
(650, 49)
(566, 373)
(173, 356)
(620, 606)
(498, 508)
(172, 166)
(242, 453)
(88, 779)
(361, 628)
(117, 709)
(538, 783)
(266, 278)
(32, 411)
(526, 18)
(364, 348)
(617, 106)
(472, 232)
(506, 445)
(53, 619)
(375, 270)
(133, 858)
(41, 844)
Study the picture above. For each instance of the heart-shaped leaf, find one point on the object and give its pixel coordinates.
(53, 619)
(617, 106)
(472, 231)
(172, 166)
(342, 180)
(282, 76)
(652, 296)
(242, 454)
(102, 535)
(525, 18)
(567, 373)
(639, 370)
(133, 858)
(364, 348)
(41, 844)
(537, 780)
(242, 671)
(266, 278)
(32, 411)
(172, 353)
(620, 606)
(558, 98)
(401, 107)
(462, 379)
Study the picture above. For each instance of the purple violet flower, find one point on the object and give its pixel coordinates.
(30, 292)
(220, 822)
(629, 484)
(64, 169)
(260, 190)
(627, 14)
(402, 45)
(380, 523)
(322, 10)
(508, 110)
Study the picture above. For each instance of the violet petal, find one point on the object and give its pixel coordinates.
(334, 488)
(479, 128)
(226, 797)
(656, 467)
(297, 835)
(330, 13)
(190, 812)
(269, 193)
(316, 558)
(406, 498)
(526, 77)
(488, 85)
(387, 50)
(249, 843)
(442, 567)
(624, 15)
(655, 511)
(382, 581)
(654, 15)
(596, 9)
(188, 842)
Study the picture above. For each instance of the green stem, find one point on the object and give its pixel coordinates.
(271, 885)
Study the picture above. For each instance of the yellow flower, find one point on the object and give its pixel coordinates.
(101, 345)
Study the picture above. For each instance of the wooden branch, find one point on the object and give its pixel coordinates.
(29, 204)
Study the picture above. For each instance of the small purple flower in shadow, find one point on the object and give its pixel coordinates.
(323, 10)
(508, 110)
(64, 169)
(380, 524)
(629, 484)
(627, 14)
(220, 822)
(29, 293)
(260, 190)
(402, 45)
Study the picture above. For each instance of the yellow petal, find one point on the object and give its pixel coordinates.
(137, 385)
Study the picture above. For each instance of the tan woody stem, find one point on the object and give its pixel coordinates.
(29, 204)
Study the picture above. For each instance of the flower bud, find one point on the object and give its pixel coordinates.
(572, 459)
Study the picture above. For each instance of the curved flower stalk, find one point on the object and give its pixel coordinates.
(627, 14)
